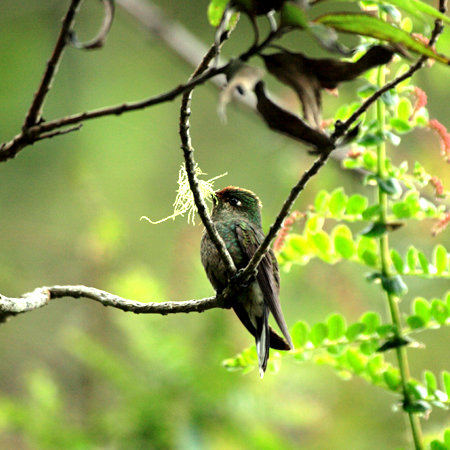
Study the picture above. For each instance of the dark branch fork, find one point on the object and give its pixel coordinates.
(34, 129)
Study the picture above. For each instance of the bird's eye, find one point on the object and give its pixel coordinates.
(233, 201)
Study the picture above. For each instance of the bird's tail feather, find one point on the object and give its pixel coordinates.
(263, 341)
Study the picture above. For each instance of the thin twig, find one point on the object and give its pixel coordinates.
(34, 113)
(285, 210)
(59, 132)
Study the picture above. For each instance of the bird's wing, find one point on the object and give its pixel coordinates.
(268, 279)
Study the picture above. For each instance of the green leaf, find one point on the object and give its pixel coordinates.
(446, 382)
(338, 202)
(423, 261)
(300, 334)
(293, 16)
(370, 258)
(321, 201)
(216, 9)
(319, 333)
(343, 241)
(416, 389)
(412, 258)
(344, 246)
(440, 258)
(400, 126)
(404, 109)
(437, 445)
(337, 350)
(299, 244)
(422, 309)
(430, 382)
(350, 163)
(368, 251)
(370, 140)
(356, 204)
(412, 198)
(397, 261)
(402, 210)
(315, 223)
(447, 437)
(322, 241)
(355, 330)
(375, 366)
(390, 98)
(391, 186)
(394, 285)
(366, 25)
(439, 311)
(395, 342)
(374, 230)
(392, 378)
(417, 407)
(386, 330)
(415, 6)
(370, 160)
(336, 327)
(368, 348)
(356, 360)
(415, 322)
(371, 212)
(372, 321)
(367, 90)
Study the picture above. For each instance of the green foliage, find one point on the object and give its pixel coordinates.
(341, 244)
(216, 9)
(365, 25)
(355, 227)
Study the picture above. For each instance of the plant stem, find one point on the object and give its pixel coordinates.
(392, 299)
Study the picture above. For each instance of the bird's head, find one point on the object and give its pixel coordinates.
(236, 202)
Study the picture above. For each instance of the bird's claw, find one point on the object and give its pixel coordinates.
(236, 280)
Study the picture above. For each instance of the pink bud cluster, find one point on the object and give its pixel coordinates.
(420, 102)
(286, 229)
(441, 224)
(443, 135)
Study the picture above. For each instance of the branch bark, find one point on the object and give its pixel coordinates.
(188, 152)
(41, 297)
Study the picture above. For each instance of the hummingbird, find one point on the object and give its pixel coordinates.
(236, 214)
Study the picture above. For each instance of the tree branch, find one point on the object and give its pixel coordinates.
(188, 153)
(34, 113)
(34, 131)
(276, 226)
(41, 297)
(10, 149)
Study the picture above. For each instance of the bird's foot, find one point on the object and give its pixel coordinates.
(238, 282)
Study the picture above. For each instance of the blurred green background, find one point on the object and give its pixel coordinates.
(75, 375)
